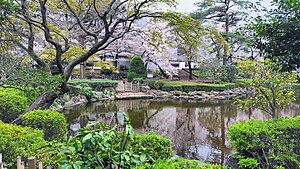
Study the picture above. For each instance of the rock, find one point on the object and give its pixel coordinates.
(145, 88)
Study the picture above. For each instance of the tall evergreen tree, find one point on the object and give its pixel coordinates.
(226, 12)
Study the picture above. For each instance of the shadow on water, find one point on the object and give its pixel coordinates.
(198, 130)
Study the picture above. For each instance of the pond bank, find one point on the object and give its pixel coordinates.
(67, 101)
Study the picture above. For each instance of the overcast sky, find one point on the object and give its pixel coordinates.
(188, 6)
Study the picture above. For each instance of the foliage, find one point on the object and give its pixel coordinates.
(271, 87)
(19, 141)
(210, 68)
(136, 69)
(13, 102)
(106, 67)
(229, 73)
(271, 143)
(152, 146)
(100, 146)
(191, 36)
(242, 82)
(96, 85)
(229, 13)
(51, 122)
(178, 163)
(296, 87)
(196, 86)
(250, 163)
(277, 34)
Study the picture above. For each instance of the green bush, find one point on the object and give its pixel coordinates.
(19, 141)
(242, 82)
(272, 143)
(179, 163)
(100, 146)
(136, 69)
(153, 146)
(150, 82)
(229, 73)
(158, 84)
(13, 102)
(96, 85)
(296, 87)
(51, 122)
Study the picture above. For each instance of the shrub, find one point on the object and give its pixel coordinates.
(271, 143)
(136, 69)
(150, 83)
(96, 85)
(242, 82)
(13, 102)
(100, 146)
(229, 73)
(296, 87)
(158, 84)
(51, 122)
(153, 146)
(19, 141)
(179, 163)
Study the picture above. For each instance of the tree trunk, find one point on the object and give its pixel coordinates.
(190, 70)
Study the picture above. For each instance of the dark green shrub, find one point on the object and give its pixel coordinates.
(96, 85)
(136, 69)
(158, 84)
(179, 163)
(13, 102)
(150, 83)
(51, 122)
(19, 141)
(272, 143)
(171, 88)
(296, 87)
(229, 73)
(153, 146)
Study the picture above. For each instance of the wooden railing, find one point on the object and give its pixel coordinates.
(31, 164)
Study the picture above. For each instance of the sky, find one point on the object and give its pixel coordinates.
(187, 6)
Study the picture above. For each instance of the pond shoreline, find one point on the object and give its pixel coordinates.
(68, 102)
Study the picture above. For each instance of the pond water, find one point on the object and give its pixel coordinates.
(198, 130)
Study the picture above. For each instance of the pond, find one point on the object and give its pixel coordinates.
(198, 130)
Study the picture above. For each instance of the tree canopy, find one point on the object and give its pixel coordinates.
(277, 35)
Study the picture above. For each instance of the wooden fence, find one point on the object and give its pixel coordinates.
(130, 87)
(32, 163)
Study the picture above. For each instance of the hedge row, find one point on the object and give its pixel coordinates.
(19, 141)
(267, 144)
(179, 163)
(97, 85)
(187, 86)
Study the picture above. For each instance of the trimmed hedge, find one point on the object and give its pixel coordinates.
(195, 86)
(19, 141)
(154, 146)
(51, 122)
(270, 144)
(179, 163)
(97, 85)
(136, 69)
(13, 102)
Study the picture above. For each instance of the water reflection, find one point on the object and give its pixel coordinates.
(198, 130)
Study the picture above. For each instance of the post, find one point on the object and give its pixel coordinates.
(40, 164)
(1, 165)
(19, 162)
(31, 163)
(22, 165)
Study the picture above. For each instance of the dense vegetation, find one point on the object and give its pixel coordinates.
(19, 141)
(136, 69)
(51, 122)
(267, 144)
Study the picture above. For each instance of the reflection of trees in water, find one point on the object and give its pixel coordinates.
(193, 127)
